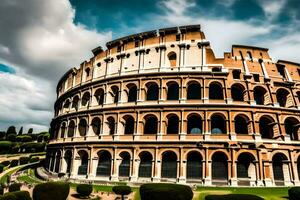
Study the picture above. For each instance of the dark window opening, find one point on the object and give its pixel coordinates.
(194, 125)
(259, 95)
(173, 125)
(83, 126)
(150, 125)
(104, 164)
(215, 91)
(111, 125)
(124, 167)
(266, 127)
(237, 93)
(241, 125)
(219, 166)
(256, 77)
(145, 168)
(169, 165)
(152, 92)
(96, 125)
(173, 91)
(129, 125)
(194, 166)
(132, 94)
(218, 125)
(83, 167)
(194, 91)
(291, 128)
(236, 74)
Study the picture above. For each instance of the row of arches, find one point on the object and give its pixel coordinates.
(246, 165)
(218, 124)
(193, 92)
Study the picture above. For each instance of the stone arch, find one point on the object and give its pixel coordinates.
(128, 125)
(215, 91)
(172, 58)
(71, 128)
(150, 124)
(238, 92)
(84, 161)
(99, 96)
(284, 98)
(114, 93)
(169, 165)
(280, 164)
(68, 157)
(132, 92)
(242, 124)
(152, 91)
(57, 161)
(261, 96)
(104, 163)
(194, 165)
(218, 124)
(173, 124)
(145, 166)
(124, 167)
(63, 129)
(193, 90)
(266, 127)
(83, 127)
(246, 170)
(96, 125)
(66, 105)
(111, 123)
(75, 102)
(219, 166)
(194, 124)
(172, 90)
(291, 125)
(85, 100)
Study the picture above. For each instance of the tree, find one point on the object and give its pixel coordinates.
(2, 134)
(20, 131)
(11, 137)
(11, 130)
(122, 190)
(30, 130)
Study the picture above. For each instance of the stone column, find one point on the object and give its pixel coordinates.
(207, 177)
(182, 168)
(115, 168)
(157, 167)
(233, 179)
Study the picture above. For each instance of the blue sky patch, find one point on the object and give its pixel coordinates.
(6, 69)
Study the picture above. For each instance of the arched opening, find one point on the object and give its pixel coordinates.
(87, 72)
(173, 91)
(145, 168)
(68, 160)
(173, 124)
(75, 102)
(129, 125)
(84, 161)
(66, 105)
(115, 94)
(99, 95)
(266, 125)
(152, 91)
(104, 164)
(71, 129)
(150, 126)
(194, 91)
(237, 92)
(219, 167)
(52, 161)
(194, 166)
(282, 97)
(241, 124)
(246, 169)
(215, 91)
(259, 95)
(169, 165)
(194, 124)
(111, 125)
(218, 124)
(124, 167)
(83, 127)
(63, 130)
(132, 93)
(292, 127)
(280, 168)
(85, 101)
(172, 58)
(96, 125)
(57, 161)
(298, 166)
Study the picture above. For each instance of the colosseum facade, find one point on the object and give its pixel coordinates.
(158, 106)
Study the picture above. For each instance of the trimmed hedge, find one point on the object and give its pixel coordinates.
(24, 160)
(233, 197)
(14, 163)
(9, 196)
(1, 168)
(14, 187)
(34, 159)
(20, 195)
(162, 191)
(5, 163)
(5, 146)
(122, 190)
(294, 193)
(84, 190)
(51, 190)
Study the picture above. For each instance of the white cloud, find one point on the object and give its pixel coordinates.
(42, 42)
(272, 8)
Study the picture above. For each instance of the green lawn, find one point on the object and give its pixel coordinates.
(278, 193)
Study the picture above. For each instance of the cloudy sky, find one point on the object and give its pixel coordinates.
(41, 39)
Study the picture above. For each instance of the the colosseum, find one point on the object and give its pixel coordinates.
(158, 106)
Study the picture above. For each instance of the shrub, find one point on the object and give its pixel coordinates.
(14, 163)
(24, 160)
(21, 195)
(14, 187)
(294, 193)
(233, 197)
(5, 146)
(84, 190)
(24, 138)
(11, 137)
(34, 159)
(1, 168)
(51, 190)
(5, 163)
(122, 190)
(34, 147)
(161, 191)
(9, 196)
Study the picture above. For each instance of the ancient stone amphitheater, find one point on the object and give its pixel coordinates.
(159, 106)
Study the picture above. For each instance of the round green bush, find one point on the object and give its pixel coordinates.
(294, 193)
(5, 146)
(5, 163)
(21, 195)
(9, 196)
(122, 190)
(51, 190)
(233, 197)
(162, 191)
(14, 163)
(14, 187)
(1, 168)
(24, 160)
(34, 159)
(84, 190)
